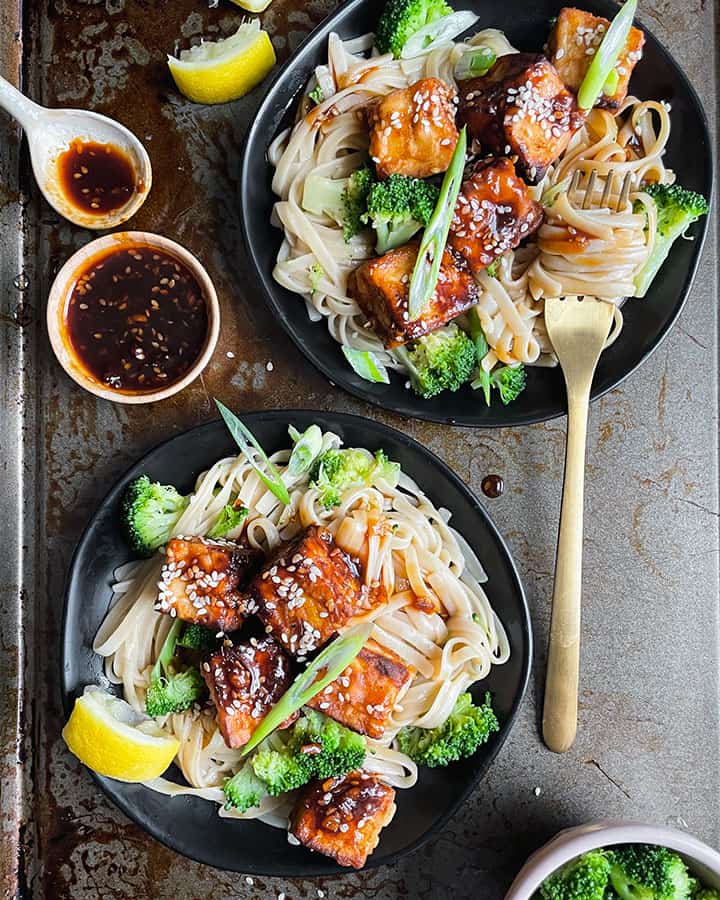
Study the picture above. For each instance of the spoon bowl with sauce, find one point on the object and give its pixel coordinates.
(92, 170)
(133, 317)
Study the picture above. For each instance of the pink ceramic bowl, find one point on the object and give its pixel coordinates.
(702, 860)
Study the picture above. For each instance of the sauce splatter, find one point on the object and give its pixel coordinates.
(136, 318)
(492, 486)
(97, 178)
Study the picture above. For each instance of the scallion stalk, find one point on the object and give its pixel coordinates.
(331, 662)
(245, 440)
(475, 62)
(366, 365)
(307, 446)
(603, 62)
(432, 245)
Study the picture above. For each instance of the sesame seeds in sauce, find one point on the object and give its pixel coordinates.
(136, 318)
(97, 178)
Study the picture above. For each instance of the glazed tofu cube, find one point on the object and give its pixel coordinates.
(363, 696)
(521, 108)
(413, 131)
(308, 590)
(573, 43)
(245, 681)
(381, 287)
(493, 213)
(201, 581)
(343, 817)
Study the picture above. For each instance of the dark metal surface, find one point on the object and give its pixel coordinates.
(648, 738)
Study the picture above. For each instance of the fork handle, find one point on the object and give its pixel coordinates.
(563, 665)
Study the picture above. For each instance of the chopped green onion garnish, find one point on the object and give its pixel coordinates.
(440, 31)
(245, 440)
(607, 55)
(475, 62)
(432, 245)
(316, 94)
(326, 667)
(307, 447)
(482, 348)
(167, 651)
(611, 83)
(366, 365)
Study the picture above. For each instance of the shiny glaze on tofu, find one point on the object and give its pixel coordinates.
(308, 590)
(573, 43)
(363, 696)
(381, 287)
(245, 681)
(343, 817)
(494, 213)
(201, 581)
(521, 108)
(413, 131)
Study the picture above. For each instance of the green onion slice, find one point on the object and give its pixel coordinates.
(482, 348)
(607, 55)
(366, 365)
(611, 83)
(326, 667)
(245, 440)
(475, 62)
(439, 32)
(306, 449)
(427, 265)
(167, 651)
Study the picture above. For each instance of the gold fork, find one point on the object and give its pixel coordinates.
(578, 329)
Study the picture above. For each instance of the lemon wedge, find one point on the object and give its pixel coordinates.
(253, 6)
(218, 71)
(111, 738)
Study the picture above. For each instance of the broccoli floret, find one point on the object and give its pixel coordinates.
(648, 872)
(317, 747)
(315, 273)
(440, 361)
(402, 18)
(172, 691)
(244, 790)
(585, 878)
(510, 382)
(229, 519)
(316, 94)
(399, 207)
(703, 893)
(281, 771)
(342, 750)
(343, 199)
(677, 209)
(149, 511)
(467, 727)
(196, 637)
(334, 471)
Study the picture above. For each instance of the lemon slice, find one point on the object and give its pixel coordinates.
(218, 71)
(111, 738)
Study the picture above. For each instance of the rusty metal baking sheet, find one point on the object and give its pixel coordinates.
(649, 735)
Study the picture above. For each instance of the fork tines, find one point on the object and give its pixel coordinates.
(588, 189)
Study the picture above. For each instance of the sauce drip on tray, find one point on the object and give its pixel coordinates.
(97, 178)
(492, 486)
(137, 319)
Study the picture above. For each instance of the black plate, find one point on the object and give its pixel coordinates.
(190, 825)
(647, 321)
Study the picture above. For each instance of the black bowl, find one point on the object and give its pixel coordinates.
(647, 321)
(190, 825)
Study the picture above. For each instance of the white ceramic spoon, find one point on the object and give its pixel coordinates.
(50, 132)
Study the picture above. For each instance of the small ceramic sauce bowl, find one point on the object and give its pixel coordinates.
(133, 317)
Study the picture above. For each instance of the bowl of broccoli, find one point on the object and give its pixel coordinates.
(620, 860)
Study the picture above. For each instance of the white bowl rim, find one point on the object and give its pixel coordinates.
(574, 841)
(59, 290)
